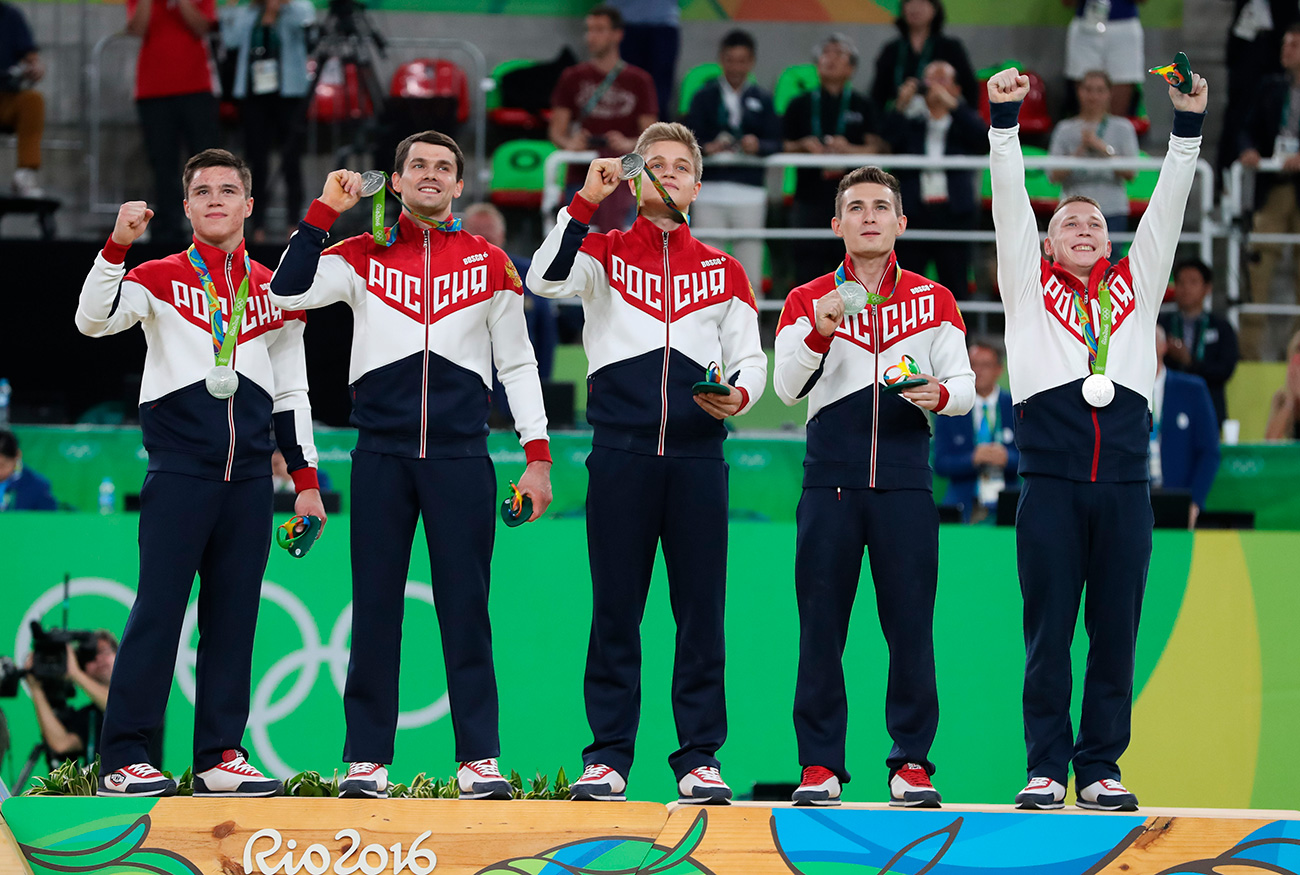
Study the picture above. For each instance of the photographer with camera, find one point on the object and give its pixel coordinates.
(69, 732)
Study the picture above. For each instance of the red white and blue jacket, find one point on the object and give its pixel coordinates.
(431, 315)
(185, 429)
(660, 307)
(860, 436)
(1058, 432)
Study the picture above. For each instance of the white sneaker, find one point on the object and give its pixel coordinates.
(137, 779)
(1106, 795)
(703, 786)
(481, 779)
(235, 776)
(27, 183)
(365, 781)
(817, 786)
(910, 786)
(1041, 794)
(599, 783)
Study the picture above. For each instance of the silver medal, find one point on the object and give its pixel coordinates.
(372, 182)
(222, 381)
(854, 297)
(631, 166)
(1098, 390)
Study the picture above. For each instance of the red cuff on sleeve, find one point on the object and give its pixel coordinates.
(943, 398)
(321, 215)
(817, 343)
(744, 395)
(115, 253)
(304, 479)
(538, 451)
(582, 209)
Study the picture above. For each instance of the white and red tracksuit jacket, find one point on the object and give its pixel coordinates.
(860, 436)
(660, 307)
(186, 430)
(1059, 434)
(431, 314)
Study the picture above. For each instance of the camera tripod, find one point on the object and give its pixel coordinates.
(348, 36)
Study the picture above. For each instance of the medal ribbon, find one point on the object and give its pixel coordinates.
(1098, 343)
(223, 336)
(663, 193)
(843, 272)
(389, 238)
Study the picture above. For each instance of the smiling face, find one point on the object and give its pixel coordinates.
(869, 221)
(216, 205)
(427, 184)
(671, 163)
(1077, 238)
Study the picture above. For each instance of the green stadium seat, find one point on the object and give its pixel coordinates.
(792, 82)
(517, 179)
(1043, 193)
(1139, 190)
(499, 71)
(693, 81)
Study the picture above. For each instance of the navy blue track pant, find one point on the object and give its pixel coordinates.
(456, 499)
(1068, 532)
(900, 529)
(222, 531)
(634, 503)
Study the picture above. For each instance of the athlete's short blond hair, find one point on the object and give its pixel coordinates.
(677, 133)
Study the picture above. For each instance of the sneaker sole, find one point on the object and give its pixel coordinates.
(585, 796)
(1034, 805)
(362, 793)
(1097, 806)
(496, 793)
(915, 803)
(704, 800)
(823, 800)
(240, 794)
(164, 791)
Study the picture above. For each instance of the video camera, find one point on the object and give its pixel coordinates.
(49, 662)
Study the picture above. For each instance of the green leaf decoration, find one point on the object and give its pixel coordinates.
(88, 859)
(684, 848)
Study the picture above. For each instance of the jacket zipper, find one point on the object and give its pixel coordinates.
(424, 380)
(663, 382)
(230, 402)
(875, 390)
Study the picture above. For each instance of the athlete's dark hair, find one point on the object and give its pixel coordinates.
(870, 173)
(217, 158)
(435, 138)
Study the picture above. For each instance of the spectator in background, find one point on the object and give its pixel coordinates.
(486, 221)
(174, 97)
(977, 450)
(831, 119)
(73, 733)
(22, 108)
(1096, 133)
(270, 38)
(603, 104)
(652, 40)
(1106, 35)
(1254, 42)
(21, 488)
(1284, 411)
(1272, 130)
(732, 115)
(1200, 342)
(1184, 435)
(921, 40)
(933, 119)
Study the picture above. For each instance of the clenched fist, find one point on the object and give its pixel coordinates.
(829, 311)
(342, 190)
(1194, 102)
(1008, 86)
(132, 219)
(603, 177)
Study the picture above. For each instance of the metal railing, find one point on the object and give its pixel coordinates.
(1237, 214)
(1208, 229)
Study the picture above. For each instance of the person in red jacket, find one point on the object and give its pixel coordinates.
(869, 378)
(662, 311)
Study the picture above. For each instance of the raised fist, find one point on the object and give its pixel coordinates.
(1008, 86)
(1194, 102)
(132, 219)
(342, 190)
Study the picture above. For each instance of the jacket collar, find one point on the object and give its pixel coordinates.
(409, 229)
(1095, 276)
(650, 234)
(215, 259)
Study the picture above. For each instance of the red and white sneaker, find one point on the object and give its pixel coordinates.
(1046, 794)
(1107, 794)
(703, 786)
(365, 781)
(481, 779)
(137, 779)
(910, 786)
(818, 786)
(599, 783)
(235, 776)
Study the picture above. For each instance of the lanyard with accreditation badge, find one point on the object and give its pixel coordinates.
(221, 381)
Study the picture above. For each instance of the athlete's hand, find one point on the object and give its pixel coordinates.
(926, 397)
(536, 484)
(342, 190)
(309, 503)
(132, 218)
(602, 179)
(1008, 86)
(721, 406)
(1194, 102)
(829, 311)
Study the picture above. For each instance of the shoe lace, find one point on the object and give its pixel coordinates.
(915, 775)
(361, 768)
(707, 773)
(142, 770)
(1039, 783)
(816, 775)
(487, 768)
(595, 770)
(241, 766)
